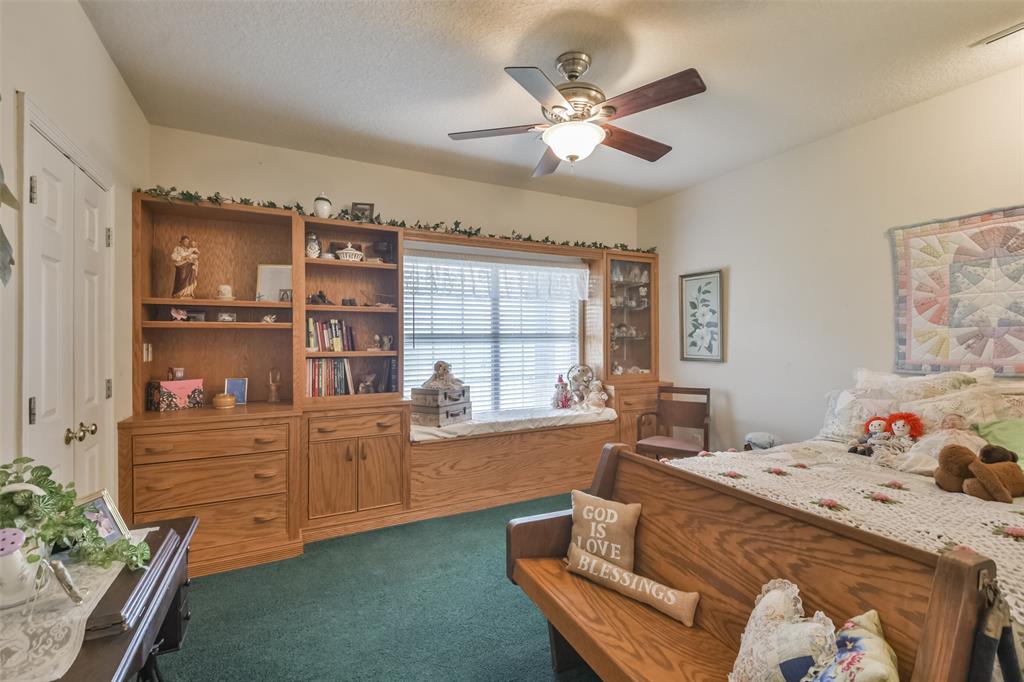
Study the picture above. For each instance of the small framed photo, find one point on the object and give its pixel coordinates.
(196, 315)
(701, 318)
(227, 317)
(362, 212)
(100, 509)
(270, 279)
(284, 295)
(238, 387)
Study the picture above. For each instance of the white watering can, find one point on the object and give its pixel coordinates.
(18, 578)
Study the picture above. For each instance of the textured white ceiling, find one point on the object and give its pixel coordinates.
(386, 81)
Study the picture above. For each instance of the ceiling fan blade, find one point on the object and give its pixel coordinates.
(548, 163)
(668, 89)
(493, 132)
(540, 86)
(637, 145)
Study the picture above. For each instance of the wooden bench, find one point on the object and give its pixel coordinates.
(699, 535)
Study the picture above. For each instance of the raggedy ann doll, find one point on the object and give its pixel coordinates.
(904, 429)
(875, 433)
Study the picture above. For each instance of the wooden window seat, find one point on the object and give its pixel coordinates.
(699, 535)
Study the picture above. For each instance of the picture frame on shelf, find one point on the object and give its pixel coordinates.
(99, 508)
(362, 212)
(701, 317)
(196, 316)
(227, 317)
(238, 387)
(271, 279)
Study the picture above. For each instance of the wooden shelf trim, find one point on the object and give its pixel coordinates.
(214, 303)
(351, 264)
(351, 309)
(353, 354)
(171, 324)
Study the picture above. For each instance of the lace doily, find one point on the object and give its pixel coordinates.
(41, 639)
(821, 478)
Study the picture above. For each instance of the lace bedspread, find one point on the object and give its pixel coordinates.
(40, 640)
(820, 477)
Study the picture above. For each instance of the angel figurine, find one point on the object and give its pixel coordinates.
(185, 257)
(274, 386)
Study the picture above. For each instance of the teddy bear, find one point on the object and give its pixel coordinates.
(994, 475)
(875, 432)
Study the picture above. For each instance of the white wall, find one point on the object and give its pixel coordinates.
(233, 167)
(802, 237)
(50, 51)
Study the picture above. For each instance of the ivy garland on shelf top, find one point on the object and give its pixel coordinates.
(456, 227)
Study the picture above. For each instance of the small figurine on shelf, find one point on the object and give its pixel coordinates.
(185, 257)
(562, 398)
(366, 384)
(312, 245)
(274, 385)
(322, 207)
(179, 315)
(386, 342)
(596, 397)
(319, 298)
(269, 319)
(442, 378)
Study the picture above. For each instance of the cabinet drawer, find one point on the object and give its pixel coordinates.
(179, 484)
(169, 447)
(347, 426)
(257, 518)
(647, 400)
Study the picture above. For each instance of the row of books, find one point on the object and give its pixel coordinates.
(333, 376)
(328, 376)
(329, 335)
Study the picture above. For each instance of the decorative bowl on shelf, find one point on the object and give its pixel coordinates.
(350, 254)
(223, 401)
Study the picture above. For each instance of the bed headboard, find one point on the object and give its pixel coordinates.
(699, 535)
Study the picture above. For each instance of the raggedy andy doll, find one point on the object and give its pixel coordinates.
(904, 429)
(875, 433)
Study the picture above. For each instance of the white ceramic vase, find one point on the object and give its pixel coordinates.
(322, 207)
(19, 579)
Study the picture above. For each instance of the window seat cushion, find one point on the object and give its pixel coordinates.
(513, 420)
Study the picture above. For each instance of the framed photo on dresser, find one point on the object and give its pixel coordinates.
(701, 319)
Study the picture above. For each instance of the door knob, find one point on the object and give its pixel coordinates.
(70, 435)
(87, 430)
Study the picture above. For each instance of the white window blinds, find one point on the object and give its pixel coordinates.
(508, 327)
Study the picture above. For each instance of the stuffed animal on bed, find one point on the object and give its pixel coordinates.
(992, 476)
(875, 433)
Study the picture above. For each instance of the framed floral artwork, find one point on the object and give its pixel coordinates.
(702, 327)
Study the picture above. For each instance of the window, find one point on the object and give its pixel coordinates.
(508, 327)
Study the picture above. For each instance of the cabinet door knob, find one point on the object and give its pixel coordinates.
(348, 453)
(362, 451)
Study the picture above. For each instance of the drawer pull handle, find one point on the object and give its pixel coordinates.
(265, 474)
(324, 429)
(385, 424)
(158, 451)
(264, 519)
(158, 488)
(265, 441)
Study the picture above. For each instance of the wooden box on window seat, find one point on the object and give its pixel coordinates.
(696, 534)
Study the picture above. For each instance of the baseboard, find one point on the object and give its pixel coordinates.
(244, 560)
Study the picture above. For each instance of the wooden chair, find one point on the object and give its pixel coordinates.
(672, 414)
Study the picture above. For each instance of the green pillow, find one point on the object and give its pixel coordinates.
(1009, 433)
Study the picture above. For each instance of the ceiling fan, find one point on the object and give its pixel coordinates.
(577, 113)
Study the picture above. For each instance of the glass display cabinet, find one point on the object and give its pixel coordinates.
(632, 327)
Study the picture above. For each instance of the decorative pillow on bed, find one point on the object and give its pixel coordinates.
(977, 404)
(1008, 432)
(673, 603)
(862, 655)
(779, 644)
(604, 528)
(923, 456)
(932, 385)
(848, 410)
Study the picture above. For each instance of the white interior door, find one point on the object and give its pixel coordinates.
(91, 341)
(48, 318)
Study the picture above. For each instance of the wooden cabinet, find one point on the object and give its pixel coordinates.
(236, 471)
(356, 462)
(631, 318)
(631, 401)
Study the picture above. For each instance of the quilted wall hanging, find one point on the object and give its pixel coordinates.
(960, 293)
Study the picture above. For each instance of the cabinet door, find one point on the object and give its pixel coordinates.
(332, 477)
(380, 471)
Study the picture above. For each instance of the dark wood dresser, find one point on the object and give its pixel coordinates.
(147, 611)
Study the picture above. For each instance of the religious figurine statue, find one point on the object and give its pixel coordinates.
(366, 384)
(274, 386)
(186, 268)
(442, 377)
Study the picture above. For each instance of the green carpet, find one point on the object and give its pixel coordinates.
(425, 601)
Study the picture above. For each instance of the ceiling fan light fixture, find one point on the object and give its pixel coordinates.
(573, 141)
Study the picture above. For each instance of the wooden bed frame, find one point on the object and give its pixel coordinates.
(696, 534)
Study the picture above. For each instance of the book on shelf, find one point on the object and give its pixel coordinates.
(328, 377)
(329, 336)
